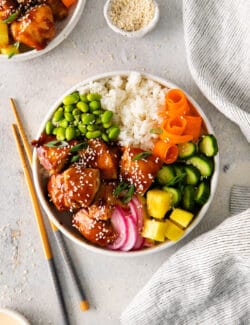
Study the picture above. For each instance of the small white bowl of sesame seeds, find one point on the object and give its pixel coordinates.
(132, 19)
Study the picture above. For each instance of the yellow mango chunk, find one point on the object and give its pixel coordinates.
(154, 229)
(173, 232)
(4, 36)
(181, 217)
(158, 203)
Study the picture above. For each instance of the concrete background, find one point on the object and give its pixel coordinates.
(92, 48)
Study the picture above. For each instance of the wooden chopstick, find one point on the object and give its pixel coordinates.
(41, 227)
(58, 236)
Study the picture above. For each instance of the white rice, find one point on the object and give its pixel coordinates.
(136, 102)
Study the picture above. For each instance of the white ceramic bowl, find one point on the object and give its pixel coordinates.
(63, 29)
(14, 315)
(136, 34)
(63, 223)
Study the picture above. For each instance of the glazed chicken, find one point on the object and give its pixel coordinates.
(140, 172)
(59, 10)
(7, 7)
(75, 188)
(53, 159)
(98, 232)
(36, 28)
(99, 155)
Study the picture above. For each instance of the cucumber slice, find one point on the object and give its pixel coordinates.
(193, 175)
(165, 175)
(204, 164)
(202, 193)
(208, 145)
(188, 202)
(186, 150)
(175, 194)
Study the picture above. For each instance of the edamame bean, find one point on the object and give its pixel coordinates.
(71, 99)
(92, 127)
(76, 111)
(98, 112)
(54, 131)
(93, 134)
(106, 117)
(82, 128)
(98, 120)
(58, 115)
(83, 107)
(60, 109)
(93, 96)
(69, 117)
(49, 127)
(83, 98)
(87, 118)
(107, 125)
(78, 133)
(113, 132)
(68, 108)
(64, 123)
(60, 134)
(105, 137)
(70, 133)
(94, 105)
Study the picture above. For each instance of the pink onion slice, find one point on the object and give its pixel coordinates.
(119, 223)
(132, 234)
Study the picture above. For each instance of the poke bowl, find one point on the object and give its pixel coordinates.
(125, 164)
(32, 28)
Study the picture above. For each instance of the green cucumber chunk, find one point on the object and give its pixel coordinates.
(186, 150)
(202, 193)
(204, 164)
(208, 145)
(188, 195)
(193, 175)
(175, 194)
(165, 175)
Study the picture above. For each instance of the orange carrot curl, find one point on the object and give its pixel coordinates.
(68, 3)
(193, 126)
(175, 125)
(177, 103)
(166, 151)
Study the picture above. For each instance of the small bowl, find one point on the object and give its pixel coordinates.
(14, 316)
(135, 34)
(63, 29)
(61, 220)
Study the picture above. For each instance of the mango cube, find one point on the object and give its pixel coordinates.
(181, 217)
(154, 229)
(173, 232)
(158, 203)
(4, 36)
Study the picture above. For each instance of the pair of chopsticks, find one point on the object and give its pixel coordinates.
(25, 153)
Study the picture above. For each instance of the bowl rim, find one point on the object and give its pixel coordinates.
(59, 38)
(135, 34)
(102, 251)
(16, 315)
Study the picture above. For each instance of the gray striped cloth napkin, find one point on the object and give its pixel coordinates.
(207, 282)
(217, 37)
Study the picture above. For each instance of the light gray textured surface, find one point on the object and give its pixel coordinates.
(93, 48)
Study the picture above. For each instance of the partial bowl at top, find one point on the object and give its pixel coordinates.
(36, 39)
(114, 151)
(132, 19)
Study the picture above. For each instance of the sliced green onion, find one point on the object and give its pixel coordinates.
(79, 146)
(120, 188)
(74, 158)
(11, 17)
(156, 131)
(142, 155)
(128, 196)
(56, 144)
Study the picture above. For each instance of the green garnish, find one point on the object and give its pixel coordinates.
(16, 45)
(74, 158)
(120, 188)
(56, 144)
(156, 131)
(176, 179)
(142, 155)
(11, 17)
(130, 192)
(79, 146)
(127, 189)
